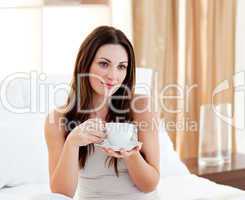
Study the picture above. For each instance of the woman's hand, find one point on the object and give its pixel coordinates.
(90, 131)
(122, 153)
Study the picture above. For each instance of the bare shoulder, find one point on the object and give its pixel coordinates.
(54, 128)
(54, 136)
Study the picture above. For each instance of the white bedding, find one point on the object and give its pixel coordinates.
(186, 187)
(23, 192)
(191, 187)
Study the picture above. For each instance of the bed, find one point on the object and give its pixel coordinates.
(182, 187)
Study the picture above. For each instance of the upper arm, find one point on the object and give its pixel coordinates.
(54, 135)
(147, 121)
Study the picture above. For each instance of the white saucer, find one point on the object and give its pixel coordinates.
(129, 146)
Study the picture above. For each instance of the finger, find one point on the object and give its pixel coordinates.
(115, 154)
(101, 126)
(94, 139)
(105, 150)
(98, 134)
(102, 149)
(95, 119)
(140, 145)
(99, 120)
(97, 124)
(94, 124)
(100, 141)
(123, 152)
(137, 148)
(119, 155)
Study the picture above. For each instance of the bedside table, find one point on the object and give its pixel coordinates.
(232, 174)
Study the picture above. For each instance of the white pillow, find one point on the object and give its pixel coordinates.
(23, 150)
(170, 163)
(143, 81)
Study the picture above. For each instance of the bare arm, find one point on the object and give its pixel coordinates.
(145, 172)
(64, 155)
(63, 158)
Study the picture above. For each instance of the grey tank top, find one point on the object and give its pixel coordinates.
(98, 182)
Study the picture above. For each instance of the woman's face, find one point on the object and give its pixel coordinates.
(108, 69)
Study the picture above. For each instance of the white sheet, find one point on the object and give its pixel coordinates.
(23, 192)
(186, 187)
(191, 187)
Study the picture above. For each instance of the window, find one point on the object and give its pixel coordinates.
(20, 39)
(45, 35)
(75, 2)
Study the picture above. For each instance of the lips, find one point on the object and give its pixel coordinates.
(108, 85)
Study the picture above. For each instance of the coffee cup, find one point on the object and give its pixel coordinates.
(120, 134)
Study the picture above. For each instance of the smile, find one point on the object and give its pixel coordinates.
(108, 85)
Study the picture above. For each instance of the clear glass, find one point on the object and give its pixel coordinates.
(214, 135)
(224, 121)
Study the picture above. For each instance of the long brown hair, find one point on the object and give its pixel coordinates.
(82, 94)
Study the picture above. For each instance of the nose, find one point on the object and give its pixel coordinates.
(112, 73)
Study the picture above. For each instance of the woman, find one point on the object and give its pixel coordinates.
(104, 69)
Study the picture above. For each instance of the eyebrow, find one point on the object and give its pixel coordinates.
(110, 61)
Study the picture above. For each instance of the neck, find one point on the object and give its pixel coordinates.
(100, 104)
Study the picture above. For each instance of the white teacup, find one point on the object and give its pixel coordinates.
(120, 134)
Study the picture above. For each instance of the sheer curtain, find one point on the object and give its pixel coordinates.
(155, 42)
(209, 59)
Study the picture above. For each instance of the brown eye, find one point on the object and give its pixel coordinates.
(103, 64)
(122, 67)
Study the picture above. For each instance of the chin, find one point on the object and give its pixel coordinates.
(101, 92)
